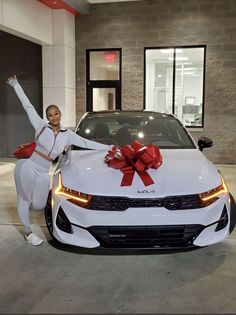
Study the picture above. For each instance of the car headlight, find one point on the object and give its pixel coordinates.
(212, 195)
(73, 196)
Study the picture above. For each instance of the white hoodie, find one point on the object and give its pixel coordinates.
(49, 143)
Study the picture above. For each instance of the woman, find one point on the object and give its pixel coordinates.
(32, 175)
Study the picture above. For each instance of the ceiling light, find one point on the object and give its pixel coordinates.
(190, 72)
(183, 63)
(171, 50)
(185, 69)
(178, 58)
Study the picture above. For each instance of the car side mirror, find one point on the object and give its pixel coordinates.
(204, 142)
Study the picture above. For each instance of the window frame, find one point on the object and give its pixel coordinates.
(90, 84)
(174, 78)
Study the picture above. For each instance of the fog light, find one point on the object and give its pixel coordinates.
(223, 220)
(63, 222)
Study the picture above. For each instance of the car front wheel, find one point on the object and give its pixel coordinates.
(48, 216)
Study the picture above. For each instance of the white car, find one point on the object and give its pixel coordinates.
(188, 204)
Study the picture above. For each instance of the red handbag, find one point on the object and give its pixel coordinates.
(24, 151)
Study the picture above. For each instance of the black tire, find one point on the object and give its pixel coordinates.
(48, 217)
(232, 214)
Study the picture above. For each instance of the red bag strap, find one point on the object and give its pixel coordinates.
(41, 131)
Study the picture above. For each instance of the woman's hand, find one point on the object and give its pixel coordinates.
(12, 80)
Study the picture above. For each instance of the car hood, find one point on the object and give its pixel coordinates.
(183, 171)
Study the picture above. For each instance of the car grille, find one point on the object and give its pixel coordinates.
(107, 203)
(169, 236)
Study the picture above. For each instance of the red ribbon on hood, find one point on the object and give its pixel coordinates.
(134, 158)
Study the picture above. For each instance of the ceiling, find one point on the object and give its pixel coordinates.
(108, 1)
(77, 7)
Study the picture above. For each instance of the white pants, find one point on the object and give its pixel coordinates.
(32, 186)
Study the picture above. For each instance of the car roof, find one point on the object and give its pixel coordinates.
(131, 113)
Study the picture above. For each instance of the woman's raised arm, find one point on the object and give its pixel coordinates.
(36, 121)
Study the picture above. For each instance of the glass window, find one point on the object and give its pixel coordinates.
(174, 82)
(159, 80)
(104, 65)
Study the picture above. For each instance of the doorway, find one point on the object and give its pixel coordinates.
(103, 96)
(103, 79)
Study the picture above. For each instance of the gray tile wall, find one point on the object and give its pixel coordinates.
(154, 23)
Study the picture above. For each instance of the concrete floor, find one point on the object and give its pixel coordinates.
(63, 280)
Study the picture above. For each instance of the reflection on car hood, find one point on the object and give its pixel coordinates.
(182, 172)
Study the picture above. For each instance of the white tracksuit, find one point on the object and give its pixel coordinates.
(32, 175)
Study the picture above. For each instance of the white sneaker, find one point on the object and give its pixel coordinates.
(33, 239)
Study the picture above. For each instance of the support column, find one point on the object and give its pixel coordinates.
(59, 67)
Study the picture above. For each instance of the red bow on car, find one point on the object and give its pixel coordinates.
(134, 158)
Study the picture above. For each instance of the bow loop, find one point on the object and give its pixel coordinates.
(134, 158)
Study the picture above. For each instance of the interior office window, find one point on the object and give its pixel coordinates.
(174, 82)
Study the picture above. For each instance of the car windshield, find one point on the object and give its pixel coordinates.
(121, 128)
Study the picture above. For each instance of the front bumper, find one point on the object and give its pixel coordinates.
(140, 227)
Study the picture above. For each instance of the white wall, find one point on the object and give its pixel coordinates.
(193, 87)
(150, 89)
(28, 19)
(0, 12)
(59, 67)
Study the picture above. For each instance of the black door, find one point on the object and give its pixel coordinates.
(103, 79)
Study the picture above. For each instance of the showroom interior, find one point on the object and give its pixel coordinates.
(177, 57)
